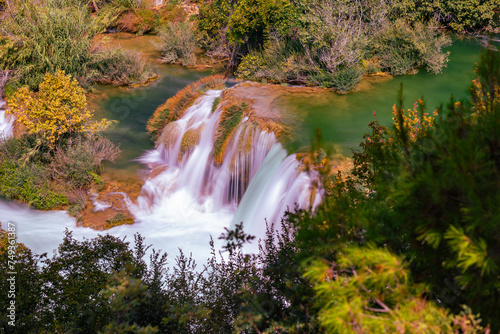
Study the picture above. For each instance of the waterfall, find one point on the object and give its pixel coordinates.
(278, 186)
(6, 122)
(189, 195)
(255, 181)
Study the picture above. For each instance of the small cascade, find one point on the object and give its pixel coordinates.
(193, 188)
(193, 193)
(279, 185)
(6, 122)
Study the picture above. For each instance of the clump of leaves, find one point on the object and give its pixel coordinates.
(177, 43)
(58, 108)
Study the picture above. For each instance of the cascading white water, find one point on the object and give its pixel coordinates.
(279, 186)
(193, 197)
(210, 188)
(255, 171)
(6, 122)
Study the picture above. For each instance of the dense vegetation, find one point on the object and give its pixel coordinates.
(43, 36)
(334, 43)
(407, 241)
(399, 244)
(59, 157)
(311, 42)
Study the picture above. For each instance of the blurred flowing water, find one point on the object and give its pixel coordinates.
(6, 122)
(193, 198)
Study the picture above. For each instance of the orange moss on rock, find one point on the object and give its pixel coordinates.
(174, 108)
(190, 139)
(117, 213)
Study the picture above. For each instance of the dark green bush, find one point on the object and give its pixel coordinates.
(402, 48)
(346, 79)
(44, 178)
(460, 16)
(281, 61)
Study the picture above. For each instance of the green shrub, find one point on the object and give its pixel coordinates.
(345, 80)
(80, 159)
(177, 43)
(29, 184)
(402, 48)
(77, 200)
(281, 61)
(120, 67)
(45, 36)
(372, 66)
(250, 66)
(44, 178)
(460, 16)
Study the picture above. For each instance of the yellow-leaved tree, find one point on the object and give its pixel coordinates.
(59, 107)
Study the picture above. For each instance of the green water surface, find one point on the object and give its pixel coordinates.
(132, 108)
(344, 119)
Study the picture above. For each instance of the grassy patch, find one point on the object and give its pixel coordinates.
(215, 104)
(229, 120)
(29, 184)
(190, 139)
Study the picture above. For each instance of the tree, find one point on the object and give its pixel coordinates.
(23, 287)
(57, 109)
(433, 195)
(125, 294)
(368, 290)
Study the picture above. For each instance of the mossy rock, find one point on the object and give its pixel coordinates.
(119, 219)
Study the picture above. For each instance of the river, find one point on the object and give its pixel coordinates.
(180, 221)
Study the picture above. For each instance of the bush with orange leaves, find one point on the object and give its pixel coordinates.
(174, 107)
(415, 121)
(58, 108)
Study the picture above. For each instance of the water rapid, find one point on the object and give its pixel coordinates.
(6, 122)
(190, 195)
(256, 180)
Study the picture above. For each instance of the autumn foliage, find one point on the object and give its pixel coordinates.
(58, 108)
